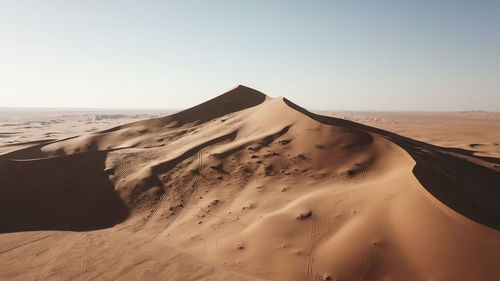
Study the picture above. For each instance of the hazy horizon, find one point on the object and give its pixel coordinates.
(323, 55)
(173, 110)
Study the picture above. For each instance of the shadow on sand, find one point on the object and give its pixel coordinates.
(58, 193)
(453, 176)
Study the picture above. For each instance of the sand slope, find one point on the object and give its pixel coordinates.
(21, 127)
(247, 185)
(478, 132)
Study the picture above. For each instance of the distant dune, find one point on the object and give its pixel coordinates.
(248, 187)
(478, 131)
(19, 127)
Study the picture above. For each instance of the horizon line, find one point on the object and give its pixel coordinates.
(179, 109)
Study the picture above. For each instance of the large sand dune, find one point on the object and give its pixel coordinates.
(247, 187)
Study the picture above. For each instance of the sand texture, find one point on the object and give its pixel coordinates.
(248, 187)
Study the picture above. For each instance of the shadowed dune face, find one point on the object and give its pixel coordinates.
(469, 189)
(237, 99)
(60, 193)
(261, 187)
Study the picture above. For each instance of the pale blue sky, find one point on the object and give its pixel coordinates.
(347, 55)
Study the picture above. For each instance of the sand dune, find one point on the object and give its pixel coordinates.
(19, 127)
(247, 187)
(477, 132)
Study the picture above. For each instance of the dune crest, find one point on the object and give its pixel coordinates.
(261, 187)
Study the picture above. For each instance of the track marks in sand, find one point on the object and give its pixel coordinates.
(50, 265)
(189, 194)
(89, 241)
(164, 194)
(161, 201)
(142, 201)
(319, 231)
(80, 252)
(24, 244)
(372, 255)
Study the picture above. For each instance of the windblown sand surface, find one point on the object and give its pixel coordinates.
(475, 131)
(248, 187)
(20, 127)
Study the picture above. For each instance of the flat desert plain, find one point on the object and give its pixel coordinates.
(249, 187)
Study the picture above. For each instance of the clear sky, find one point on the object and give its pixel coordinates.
(345, 55)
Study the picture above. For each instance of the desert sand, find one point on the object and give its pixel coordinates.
(476, 131)
(249, 187)
(21, 127)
